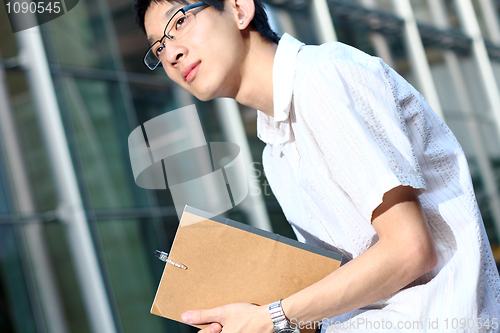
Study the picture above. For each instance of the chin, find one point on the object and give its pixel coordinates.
(203, 98)
(207, 91)
(205, 95)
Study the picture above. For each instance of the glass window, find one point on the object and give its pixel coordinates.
(99, 133)
(8, 45)
(489, 138)
(67, 283)
(31, 141)
(482, 22)
(17, 313)
(127, 249)
(132, 41)
(422, 11)
(80, 38)
(383, 5)
(4, 195)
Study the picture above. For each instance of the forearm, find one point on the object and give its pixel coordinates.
(373, 275)
(404, 252)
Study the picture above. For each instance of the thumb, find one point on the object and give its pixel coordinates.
(212, 328)
(197, 317)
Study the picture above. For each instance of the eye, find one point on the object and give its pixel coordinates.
(180, 23)
(159, 51)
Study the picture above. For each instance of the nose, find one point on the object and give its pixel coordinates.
(174, 52)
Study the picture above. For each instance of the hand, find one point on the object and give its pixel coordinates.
(232, 318)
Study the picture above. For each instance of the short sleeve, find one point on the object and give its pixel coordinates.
(351, 111)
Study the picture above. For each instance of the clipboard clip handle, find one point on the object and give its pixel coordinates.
(163, 256)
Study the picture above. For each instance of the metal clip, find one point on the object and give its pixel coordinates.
(163, 256)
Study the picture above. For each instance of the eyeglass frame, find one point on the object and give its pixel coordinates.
(183, 10)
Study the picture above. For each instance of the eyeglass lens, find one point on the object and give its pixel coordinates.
(178, 27)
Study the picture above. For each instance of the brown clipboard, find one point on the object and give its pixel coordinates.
(230, 262)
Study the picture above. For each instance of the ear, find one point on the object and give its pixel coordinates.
(245, 10)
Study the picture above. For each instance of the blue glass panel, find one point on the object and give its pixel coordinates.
(4, 199)
(18, 315)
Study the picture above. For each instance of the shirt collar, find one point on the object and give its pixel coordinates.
(283, 74)
(271, 129)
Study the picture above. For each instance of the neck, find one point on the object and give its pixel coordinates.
(256, 88)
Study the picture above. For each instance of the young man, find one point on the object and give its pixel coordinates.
(357, 160)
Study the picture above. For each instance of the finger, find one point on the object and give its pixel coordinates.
(202, 316)
(212, 328)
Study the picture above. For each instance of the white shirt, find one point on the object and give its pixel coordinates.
(346, 130)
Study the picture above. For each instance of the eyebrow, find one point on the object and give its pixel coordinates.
(167, 15)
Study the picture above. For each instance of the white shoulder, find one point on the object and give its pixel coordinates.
(339, 70)
(335, 56)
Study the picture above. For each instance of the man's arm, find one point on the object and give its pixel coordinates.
(405, 250)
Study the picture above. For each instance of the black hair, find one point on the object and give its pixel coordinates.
(259, 22)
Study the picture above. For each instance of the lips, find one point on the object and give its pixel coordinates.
(189, 72)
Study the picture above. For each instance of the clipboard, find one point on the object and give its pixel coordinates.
(230, 262)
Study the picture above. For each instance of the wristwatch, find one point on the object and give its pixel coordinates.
(280, 323)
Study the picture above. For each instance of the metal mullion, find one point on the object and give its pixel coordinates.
(470, 25)
(71, 210)
(378, 40)
(323, 21)
(32, 234)
(417, 54)
(490, 16)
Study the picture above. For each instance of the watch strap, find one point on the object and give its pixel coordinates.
(278, 316)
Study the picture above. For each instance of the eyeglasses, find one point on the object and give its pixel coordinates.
(178, 26)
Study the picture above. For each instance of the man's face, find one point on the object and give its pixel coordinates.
(207, 60)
